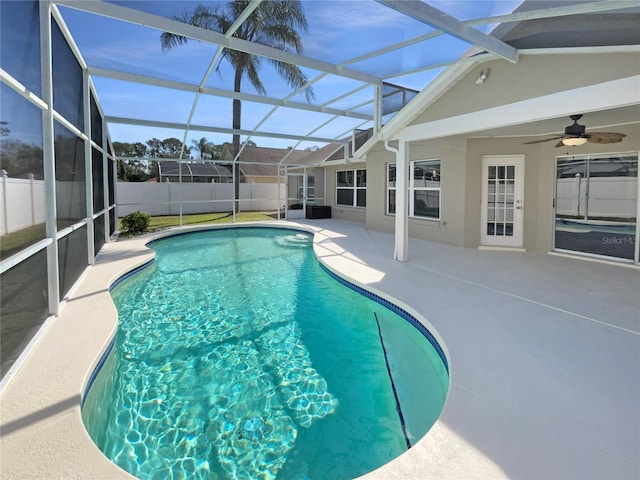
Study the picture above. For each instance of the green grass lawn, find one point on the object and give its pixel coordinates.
(16, 241)
(164, 221)
(21, 239)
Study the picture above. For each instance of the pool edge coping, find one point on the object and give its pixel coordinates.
(98, 281)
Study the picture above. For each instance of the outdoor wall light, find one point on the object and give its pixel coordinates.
(482, 77)
(574, 141)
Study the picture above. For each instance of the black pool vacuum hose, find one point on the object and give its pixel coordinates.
(393, 386)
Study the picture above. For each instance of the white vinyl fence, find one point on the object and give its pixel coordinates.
(21, 204)
(164, 198)
(608, 196)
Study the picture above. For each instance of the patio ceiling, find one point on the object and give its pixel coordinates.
(351, 48)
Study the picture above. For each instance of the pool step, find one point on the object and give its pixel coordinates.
(294, 240)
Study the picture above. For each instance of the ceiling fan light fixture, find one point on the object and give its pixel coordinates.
(574, 141)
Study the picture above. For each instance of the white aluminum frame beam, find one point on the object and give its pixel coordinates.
(426, 68)
(46, 63)
(218, 92)
(593, 7)
(239, 21)
(311, 132)
(205, 128)
(149, 20)
(273, 110)
(88, 165)
(437, 18)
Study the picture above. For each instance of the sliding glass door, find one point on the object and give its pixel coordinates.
(597, 204)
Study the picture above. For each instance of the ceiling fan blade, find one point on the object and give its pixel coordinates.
(606, 137)
(559, 144)
(541, 141)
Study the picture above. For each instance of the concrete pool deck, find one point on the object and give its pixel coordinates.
(544, 354)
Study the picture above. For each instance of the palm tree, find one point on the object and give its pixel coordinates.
(204, 146)
(274, 23)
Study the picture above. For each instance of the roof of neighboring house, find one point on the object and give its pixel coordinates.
(199, 169)
(335, 151)
(265, 159)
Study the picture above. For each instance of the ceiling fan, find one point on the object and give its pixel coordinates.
(575, 135)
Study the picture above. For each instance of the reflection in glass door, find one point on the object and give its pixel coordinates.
(596, 205)
(295, 196)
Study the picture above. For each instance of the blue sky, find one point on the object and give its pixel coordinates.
(338, 32)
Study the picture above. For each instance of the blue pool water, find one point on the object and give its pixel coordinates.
(238, 356)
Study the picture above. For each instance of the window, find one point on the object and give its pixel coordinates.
(351, 188)
(391, 188)
(424, 189)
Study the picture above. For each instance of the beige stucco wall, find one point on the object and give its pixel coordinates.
(462, 158)
(461, 162)
(450, 228)
(531, 77)
(540, 167)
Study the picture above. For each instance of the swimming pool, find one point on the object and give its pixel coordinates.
(239, 356)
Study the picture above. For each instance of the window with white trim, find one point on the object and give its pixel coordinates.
(424, 189)
(351, 188)
(391, 188)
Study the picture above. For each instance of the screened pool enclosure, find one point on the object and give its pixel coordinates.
(78, 76)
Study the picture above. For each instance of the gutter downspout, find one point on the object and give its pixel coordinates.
(401, 244)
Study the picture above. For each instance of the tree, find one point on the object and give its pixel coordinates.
(133, 150)
(171, 148)
(167, 148)
(133, 170)
(154, 148)
(273, 23)
(205, 147)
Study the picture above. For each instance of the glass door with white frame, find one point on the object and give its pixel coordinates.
(295, 196)
(502, 201)
(596, 205)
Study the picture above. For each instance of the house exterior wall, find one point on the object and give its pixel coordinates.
(450, 228)
(531, 77)
(461, 163)
(461, 157)
(540, 172)
(536, 196)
